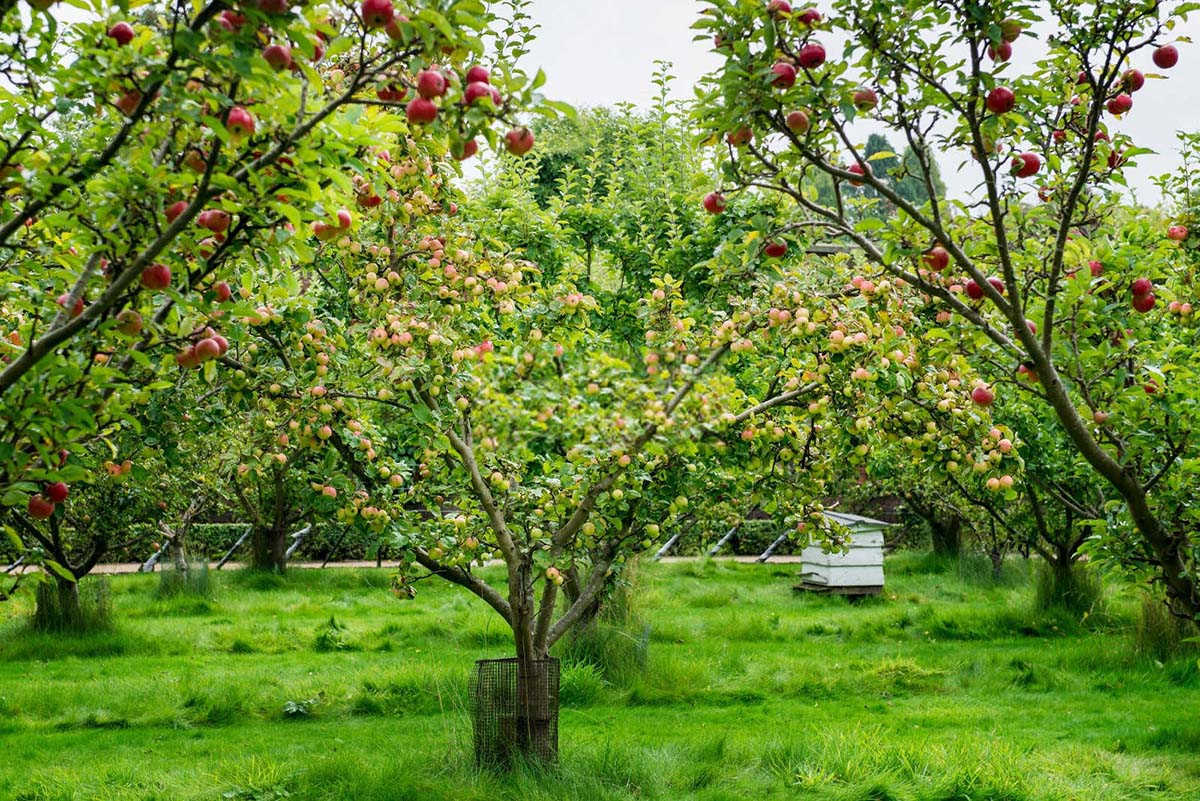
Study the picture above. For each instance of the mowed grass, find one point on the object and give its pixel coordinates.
(321, 685)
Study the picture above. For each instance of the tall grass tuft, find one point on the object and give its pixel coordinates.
(82, 608)
(615, 642)
(1161, 635)
(194, 582)
(1077, 590)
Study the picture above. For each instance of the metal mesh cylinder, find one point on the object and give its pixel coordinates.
(515, 710)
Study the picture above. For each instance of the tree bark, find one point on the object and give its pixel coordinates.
(58, 607)
(268, 547)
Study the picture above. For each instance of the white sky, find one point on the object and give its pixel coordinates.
(600, 53)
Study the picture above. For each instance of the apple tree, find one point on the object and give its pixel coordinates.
(1028, 271)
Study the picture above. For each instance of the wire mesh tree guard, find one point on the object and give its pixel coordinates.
(514, 707)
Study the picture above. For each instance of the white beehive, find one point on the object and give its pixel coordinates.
(858, 571)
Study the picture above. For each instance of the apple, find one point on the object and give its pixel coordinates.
(776, 248)
(174, 210)
(431, 84)
(1120, 104)
(57, 492)
(1100, 418)
(122, 32)
(231, 21)
(1059, 135)
(469, 148)
(997, 284)
(1001, 100)
(1141, 286)
(1026, 164)
(215, 220)
(129, 322)
(344, 218)
(865, 99)
(279, 56)
(785, 75)
(777, 8)
(421, 111)
(1132, 80)
(811, 56)
(982, 396)
(129, 102)
(1150, 387)
(519, 141)
(740, 137)
(1010, 29)
(156, 276)
(937, 258)
(40, 508)
(797, 121)
(187, 358)
(222, 292)
(1166, 57)
(974, 290)
(377, 13)
(1000, 52)
(1143, 303)
(1177, 232)
(76, 310)
(857, 169)
(1096, 268)
(239, 122)
(809, 17)
(714, 203)
(207, 348)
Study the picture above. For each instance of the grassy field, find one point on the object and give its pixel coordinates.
(945, 689)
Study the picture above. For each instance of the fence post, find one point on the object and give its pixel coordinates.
(666, 547)
(765, 555)
(236, 545)
(721, 542)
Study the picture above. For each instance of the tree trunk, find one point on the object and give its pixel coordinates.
(535, 731)
(946, 533)
(269, 549)
(997, 557)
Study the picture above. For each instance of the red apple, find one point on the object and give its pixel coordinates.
(1096, 268)
(865, 99)
(239, 122)
(1001, 100)
(785, 75)
(974, 290)
(797, 121)
(129, 322)
(222, 292)
(222, 343)
(129, 101)
(519, 141)
(1144, 303)
(57, 492)
(231, 21)
(714, 203)
(215, 220)
(469, 148)
(776, 248)
(478, 74)
(431, 84)
(344, 218)
(937, 258)
(1177, 232)
(207, 349)
(421, 111)
(997, 284)
(174, 210)
(1059, 135)
(76, 310)
(122, 32)
(475, 91)
(1132, 80)
(811, 56)
(983, 396)
(377, 13)
(1010, 29)
(1000, 52)
(1166, 57)
(279, 56)
(777, 8)
(40, 508)
(741, 136)
(1026, 164)
(857, 169)
(1141, 286)
(1120, 104)
(156, 276)
(809, 17)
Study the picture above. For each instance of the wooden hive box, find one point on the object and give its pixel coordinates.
(859, 571)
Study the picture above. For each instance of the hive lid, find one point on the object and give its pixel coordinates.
(856, 521)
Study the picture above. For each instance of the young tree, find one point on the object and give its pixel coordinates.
(1014, 276)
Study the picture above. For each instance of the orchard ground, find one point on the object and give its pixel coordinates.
(722, 684)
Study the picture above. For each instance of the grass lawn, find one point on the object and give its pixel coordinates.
(946, 688)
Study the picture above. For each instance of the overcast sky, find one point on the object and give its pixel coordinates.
(600, 53)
